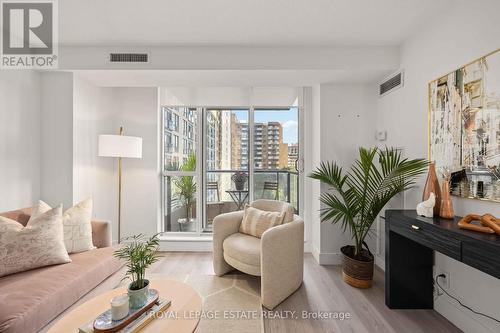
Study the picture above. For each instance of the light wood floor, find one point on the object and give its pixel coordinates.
(322, 290)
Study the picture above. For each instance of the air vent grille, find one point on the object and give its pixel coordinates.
(128, 57)
(392, 83)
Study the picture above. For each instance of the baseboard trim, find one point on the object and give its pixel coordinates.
(462, 318)
(186, 245)
(326, 258)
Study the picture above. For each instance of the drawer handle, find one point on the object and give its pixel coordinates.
(415, 227)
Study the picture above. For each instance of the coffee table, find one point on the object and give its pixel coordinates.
(186, 306)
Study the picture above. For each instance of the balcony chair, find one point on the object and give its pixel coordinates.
(214, 186)
(271, 186)
(277, 257)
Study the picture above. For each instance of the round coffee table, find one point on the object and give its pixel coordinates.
(183, 314)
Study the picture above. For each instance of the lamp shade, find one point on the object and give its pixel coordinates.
(120, 146)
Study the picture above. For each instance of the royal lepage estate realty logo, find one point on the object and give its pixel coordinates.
(29, 34)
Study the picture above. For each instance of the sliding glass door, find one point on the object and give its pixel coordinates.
(215, 160)
(276, 155)
(180, 169)
(226, 157)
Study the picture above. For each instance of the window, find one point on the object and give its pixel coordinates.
(210, 147)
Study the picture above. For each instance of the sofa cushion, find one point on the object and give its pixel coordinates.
(77, 226)
(37, 296)
(243, 252)
(38, 244)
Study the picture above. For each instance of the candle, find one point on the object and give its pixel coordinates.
(119, 307)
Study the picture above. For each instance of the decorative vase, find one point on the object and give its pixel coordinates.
(432, 185)
(139, 297)
(357, 273)
(446, 210)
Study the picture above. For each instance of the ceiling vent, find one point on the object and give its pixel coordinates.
(393, 82)
(128, 57)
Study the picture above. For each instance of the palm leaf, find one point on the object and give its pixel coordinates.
(357, 197)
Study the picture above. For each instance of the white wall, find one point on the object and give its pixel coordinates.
(466, 32)
(348, 117)
(98, 111)
(94, 176)
(344, 119)
(137, 110)
(20, 139)
(56, 126)
(229, 96)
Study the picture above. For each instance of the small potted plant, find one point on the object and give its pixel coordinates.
(356, 198)
(239, 178)
(139, 253)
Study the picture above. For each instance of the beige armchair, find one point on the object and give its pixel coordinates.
(277, 257)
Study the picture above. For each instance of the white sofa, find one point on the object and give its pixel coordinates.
(277, 257)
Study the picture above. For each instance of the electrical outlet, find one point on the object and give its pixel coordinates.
(444, 282)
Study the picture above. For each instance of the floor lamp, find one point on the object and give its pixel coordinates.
(120, 146)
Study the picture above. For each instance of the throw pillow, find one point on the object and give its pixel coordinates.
(256, 221)
(39, 244)
(77, 225)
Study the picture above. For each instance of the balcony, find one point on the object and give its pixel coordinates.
(280, 185)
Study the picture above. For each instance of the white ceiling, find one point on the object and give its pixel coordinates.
(244, 22)
(225, 78)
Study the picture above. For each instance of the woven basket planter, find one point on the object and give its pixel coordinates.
(357, 273)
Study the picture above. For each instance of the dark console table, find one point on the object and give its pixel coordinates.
(409, 244)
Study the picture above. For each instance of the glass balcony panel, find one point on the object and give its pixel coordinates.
(226, 139)
(221, 196)
(180, 203)
(179, 141)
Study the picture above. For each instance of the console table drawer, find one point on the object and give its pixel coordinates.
(482, 256)
(423, 234)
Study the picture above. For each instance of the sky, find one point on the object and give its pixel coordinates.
(287, 118)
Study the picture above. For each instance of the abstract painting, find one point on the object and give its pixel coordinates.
(464, 127)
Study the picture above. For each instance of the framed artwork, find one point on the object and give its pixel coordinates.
(464, 127)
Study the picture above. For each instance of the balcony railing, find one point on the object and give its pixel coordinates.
(282, 185)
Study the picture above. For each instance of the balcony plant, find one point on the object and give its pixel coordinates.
(186, 187)
(139, 253)
(356, 198)
(239, 178)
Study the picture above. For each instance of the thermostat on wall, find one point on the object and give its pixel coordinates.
(381, 135)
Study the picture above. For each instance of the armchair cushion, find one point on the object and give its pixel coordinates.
(224, 225)
(256, 221)
(243, 252)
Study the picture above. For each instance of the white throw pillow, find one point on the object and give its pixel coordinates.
(77, 225)
(256, 221)
(40, 243)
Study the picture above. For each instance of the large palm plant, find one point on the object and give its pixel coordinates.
(360, 194)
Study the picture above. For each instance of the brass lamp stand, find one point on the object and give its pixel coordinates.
(120, 146)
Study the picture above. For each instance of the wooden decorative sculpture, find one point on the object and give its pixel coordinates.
(432, 185)
(489, 223)
(446, 209)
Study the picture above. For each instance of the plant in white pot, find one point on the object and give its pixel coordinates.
(139, 253)
(356, 198)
